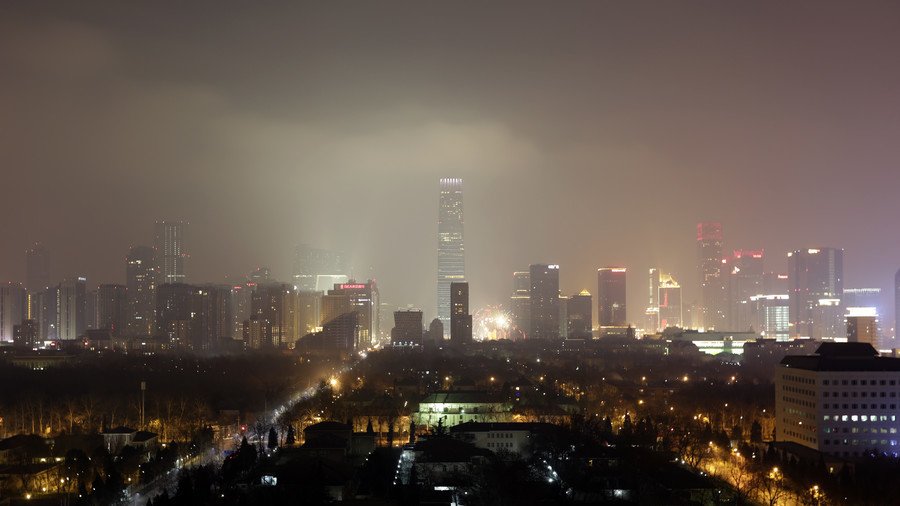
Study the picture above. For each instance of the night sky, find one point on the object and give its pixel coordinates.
(587, 133)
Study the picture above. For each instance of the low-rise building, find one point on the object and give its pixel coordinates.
(453, 408)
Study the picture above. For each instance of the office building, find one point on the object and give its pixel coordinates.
(42, 306)
(12, 309)
(408, 328)
(140, 283)
(194, 317)
(862, 327)
(520, 303)
(770, 316)
(816, 286)
(111, 308)
(579, 318)
(611, 297)
(37, 268)
(746, 279)
(170, 251)
(451, 249)
(544, 301)
(841, 401)
(460, 319)
(310, 263)
(361, 298)
(309, 305)
(669, 300)
(713, 295)
(71, 309)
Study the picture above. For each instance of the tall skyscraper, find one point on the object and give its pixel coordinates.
(460, 319)
(37, 268)
(310, 263)
(71, 309)
(520, 302)
(770, 316)
(170, 251)
(12, 309)
(140, 283)
(544, 301)
(579, 318)
(279, 304)
(611, 308)
(111, 308)
(745, 280)
(193, 317)
(451, 250)
(816, 286)
(712, 280)
(670, 309)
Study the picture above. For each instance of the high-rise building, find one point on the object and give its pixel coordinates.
(520, 302)
(670, 310)
(579, 317)
(451, 250)
(713, 294)
(111, 307)
(12, 309)
(71, 309)
(171, 254)
(310, 263)
(37, 268)
(611, 308)
(652, 312)
(544, 301)
(408, 328)
(867, 301)
(460, 319)
(278, 303)
(745, 280)
(361, 298)
(257, 332)
(44, 312)
(309, 316)
(25, 334)
(194, 317)
(770, 316)
(816, 286)
(140, 282)
(862, 328)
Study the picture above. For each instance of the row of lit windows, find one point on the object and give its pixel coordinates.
(863, 406)
(860, 442)
(860, 418)
(857, 430)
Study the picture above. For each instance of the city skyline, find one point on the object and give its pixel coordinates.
(529, 164)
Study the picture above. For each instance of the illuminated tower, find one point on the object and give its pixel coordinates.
(544, 301)
(669, 299)
(611, 297)
(712, 281)
(170, 251)
(12, 309)
(815, 287)
(140, 283)
(520, 302)
(451, 252)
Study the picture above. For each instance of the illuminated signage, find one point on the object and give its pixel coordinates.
(352, 287)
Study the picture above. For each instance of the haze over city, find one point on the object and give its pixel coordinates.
(587, 135)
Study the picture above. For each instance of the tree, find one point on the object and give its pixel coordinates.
(756, 432)
(771, 487)
(273, 438)
(291, 439)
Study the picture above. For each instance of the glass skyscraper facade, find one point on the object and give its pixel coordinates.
(451, 251)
